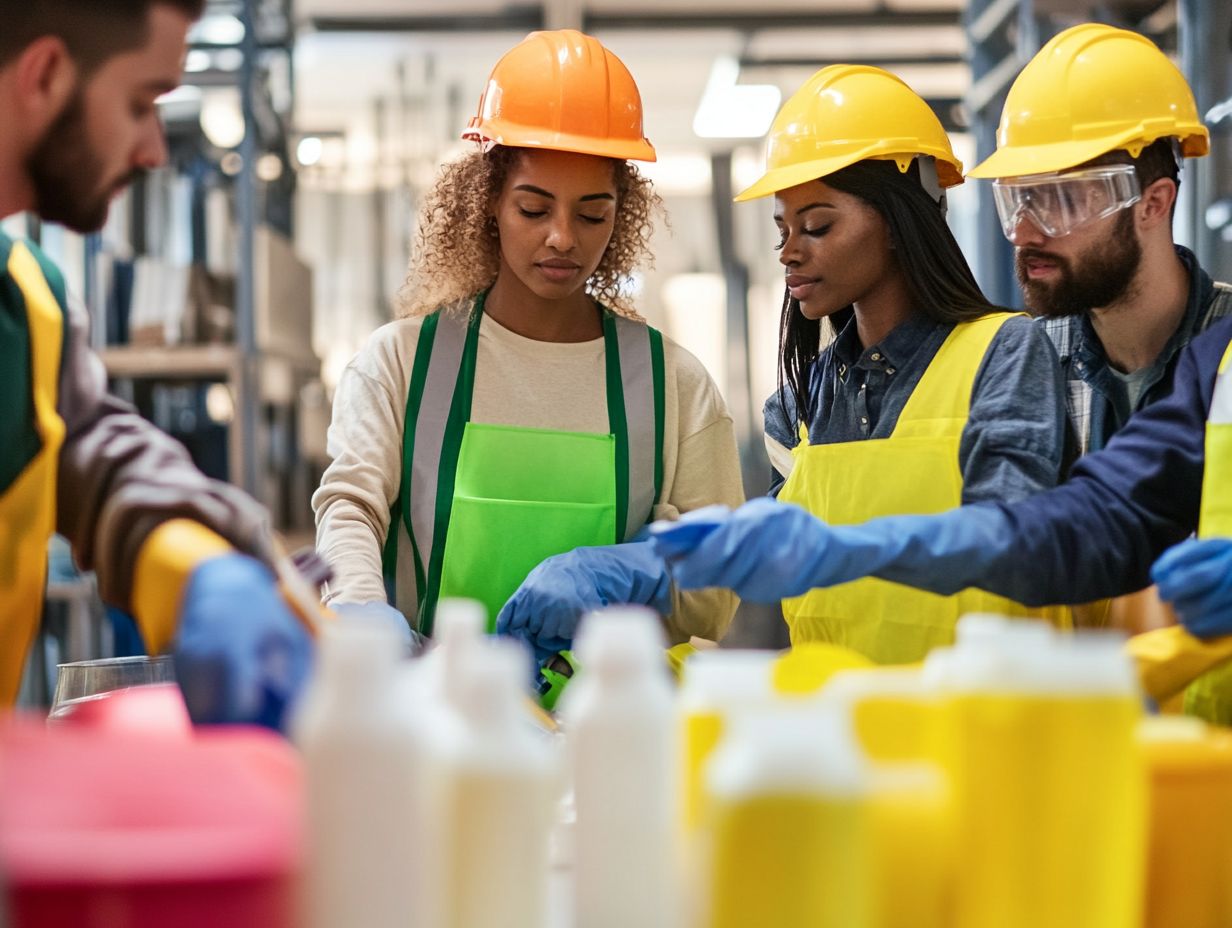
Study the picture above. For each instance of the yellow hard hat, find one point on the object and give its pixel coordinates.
(847, 113)
(564, 91)
(1091, 90)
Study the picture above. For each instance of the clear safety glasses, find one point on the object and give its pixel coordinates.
(1059, 203)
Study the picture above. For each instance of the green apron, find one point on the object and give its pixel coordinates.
(481, 505)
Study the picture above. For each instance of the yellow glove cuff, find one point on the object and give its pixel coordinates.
(167, 557)
(1169, 659)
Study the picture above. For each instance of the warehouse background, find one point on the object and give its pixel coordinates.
(229, 289)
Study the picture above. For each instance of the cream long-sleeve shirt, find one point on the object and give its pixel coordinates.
(518, 382)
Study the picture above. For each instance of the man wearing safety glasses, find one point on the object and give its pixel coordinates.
(1085, 180)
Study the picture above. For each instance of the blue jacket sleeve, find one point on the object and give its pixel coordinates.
(1095, 536)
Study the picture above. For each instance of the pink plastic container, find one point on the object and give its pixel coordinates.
(104, 828)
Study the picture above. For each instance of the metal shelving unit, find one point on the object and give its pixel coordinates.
(1002, 35)
(248, 364)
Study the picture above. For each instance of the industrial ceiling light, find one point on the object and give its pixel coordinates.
(196, 61)
(729, 110)
(180, 105)
(269, 167)
(308, 151)
(222, 119)
(218, 29)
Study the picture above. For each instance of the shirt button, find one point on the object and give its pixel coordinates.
(862, 386)
(864, 420)
(876, 356)
(889, 371)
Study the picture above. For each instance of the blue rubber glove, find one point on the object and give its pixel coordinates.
(545, 610)
(764, 551)
(241, 654)
(1195, 577)
(383, 614)
(767, 550)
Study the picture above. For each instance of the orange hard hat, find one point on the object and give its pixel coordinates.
(564, 91)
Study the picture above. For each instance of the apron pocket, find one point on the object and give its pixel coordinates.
(494, 543)
(500, 462)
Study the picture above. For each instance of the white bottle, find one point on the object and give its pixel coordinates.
(362, 759)
(492, 792)
(618, 715)
(460, 627)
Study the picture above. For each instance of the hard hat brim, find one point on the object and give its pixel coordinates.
(513, 136)
(1024, 161)
(784, 178)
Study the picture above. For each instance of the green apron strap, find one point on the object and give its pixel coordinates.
(438, 358)
(659, 370)
(635, 411)
(402, 586)
(617, 422)
(435, 471)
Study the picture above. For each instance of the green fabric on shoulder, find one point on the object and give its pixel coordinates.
(19, 439)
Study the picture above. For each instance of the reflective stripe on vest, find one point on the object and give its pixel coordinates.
(1210, 695)
(1215, 518)
(439, 404)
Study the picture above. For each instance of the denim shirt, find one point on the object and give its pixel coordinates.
(1013, 442)
(1095, 398)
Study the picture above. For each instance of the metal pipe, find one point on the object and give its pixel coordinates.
(248, 385)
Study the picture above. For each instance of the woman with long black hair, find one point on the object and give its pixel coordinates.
(927, 397)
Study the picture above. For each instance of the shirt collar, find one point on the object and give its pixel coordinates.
(893, 351)
(1200, 290)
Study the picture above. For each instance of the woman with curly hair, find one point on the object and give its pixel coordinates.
(521, 409)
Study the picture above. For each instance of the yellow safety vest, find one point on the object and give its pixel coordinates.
(914, 471)
(1210, 696)
(28, 505)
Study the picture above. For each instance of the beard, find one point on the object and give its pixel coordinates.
(1099, 277)
(67, 174)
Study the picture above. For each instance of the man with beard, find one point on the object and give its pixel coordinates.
(79, 81)
(1085, 182)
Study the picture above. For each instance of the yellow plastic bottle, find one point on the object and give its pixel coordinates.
(1189, 873)
(787, 834)
(1049, 783)
(717, 684)
(896, 713)
(898, 718)
(913, 846)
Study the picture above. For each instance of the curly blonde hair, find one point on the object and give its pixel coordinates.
(457, 253)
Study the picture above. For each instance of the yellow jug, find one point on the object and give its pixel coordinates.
(1189, 864)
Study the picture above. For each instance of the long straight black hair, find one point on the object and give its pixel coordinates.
(939, 280)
